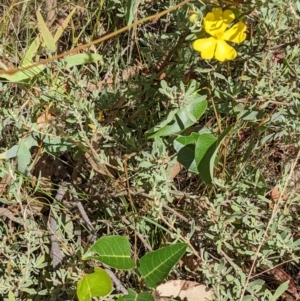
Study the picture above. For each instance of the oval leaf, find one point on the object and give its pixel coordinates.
(155, 266)
(113, 250)
(97, 284)
(183, 119)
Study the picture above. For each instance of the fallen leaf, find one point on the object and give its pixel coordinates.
(44, 119)
(275, 194)
(9, 214)
(190, 290)
(174, 170)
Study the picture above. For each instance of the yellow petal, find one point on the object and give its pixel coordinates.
(206, 47)
(216, 22)
(215, 15)
(236, 33)
(228, 16)
(224, 51)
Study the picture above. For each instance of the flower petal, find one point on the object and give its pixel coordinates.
(224, 51)
(236, 33)
(228, 16)
(206, 47)
(217, 21)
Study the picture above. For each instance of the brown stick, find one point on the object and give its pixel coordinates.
(55, 252)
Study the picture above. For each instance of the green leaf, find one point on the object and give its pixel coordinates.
(204, 142)
(247, 298)
(45, 33)
(97, 284)
(83, 58)
(255, 286)
(21, 75)
(131, 7)
(207, 161)
(11, 296)
(11, 153)
(63, 26)
(133, 296)
(185, 148)
(55, 144)
(155, 266)
(31, 51)
(24, 154)
(181, 120)
(280, 290)
(113, 250)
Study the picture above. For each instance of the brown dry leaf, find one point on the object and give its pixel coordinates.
(9, 214)
(191, 262)
(4, 182)
(277, 57)
(44, 119)
(174, 170)
(162, 76)
(275, 194)
(190, 290)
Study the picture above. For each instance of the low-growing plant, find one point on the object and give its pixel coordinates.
(167, 122)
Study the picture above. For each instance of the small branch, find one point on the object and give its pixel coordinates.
(279, 103)
(55, 252)
(139, 235)
(83, 214)
(118, 285)
(196, 253)
(284, 45)
(186, 220)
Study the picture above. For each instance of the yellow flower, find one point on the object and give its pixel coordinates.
(215, 24)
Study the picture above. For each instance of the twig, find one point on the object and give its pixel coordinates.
(55, 252)
(180, 216)
(280, 103)
(118, 285)
(182, 238)
(166, 59)
(284, 45)
(139, 235)
(83, 214)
